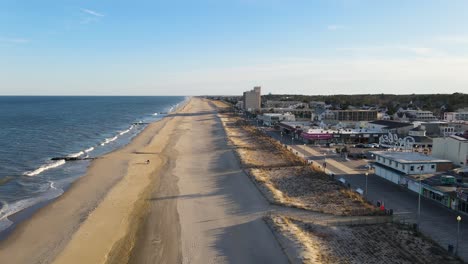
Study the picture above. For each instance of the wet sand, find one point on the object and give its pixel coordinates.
(191, 204)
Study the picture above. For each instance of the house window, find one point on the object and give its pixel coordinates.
(432, 166)
(411, 168)
(403, 166)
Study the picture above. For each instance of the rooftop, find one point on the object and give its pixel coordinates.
(458, 138)
(276, 114)
(409, 157)
(390, 124)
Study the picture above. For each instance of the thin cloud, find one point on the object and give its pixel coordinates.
(422, 51)
(335, 27)
(456, 39)
(92, 12)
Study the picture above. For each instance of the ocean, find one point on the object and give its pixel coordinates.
(34, 129)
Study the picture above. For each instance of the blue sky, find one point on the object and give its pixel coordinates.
(224, 47)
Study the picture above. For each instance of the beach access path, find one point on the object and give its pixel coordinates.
(191, 204)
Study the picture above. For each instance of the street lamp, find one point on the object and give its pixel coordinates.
(419, 193)
(292, 139)
(281, 136)
(458, 233)
(367, 174)
(325, 162)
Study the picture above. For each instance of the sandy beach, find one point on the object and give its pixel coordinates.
(191, 204)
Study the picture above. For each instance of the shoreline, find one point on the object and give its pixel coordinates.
(24, 214)
(56, 222)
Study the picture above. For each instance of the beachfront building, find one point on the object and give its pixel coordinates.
(252, 99)
(419, 173)
(309, 133)
(271, 119)
(394, 127)
(453, 148)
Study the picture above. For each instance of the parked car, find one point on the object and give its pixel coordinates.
(359, 146)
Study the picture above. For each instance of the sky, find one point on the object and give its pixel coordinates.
(223, 47)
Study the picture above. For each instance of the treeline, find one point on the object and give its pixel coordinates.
(437, 103)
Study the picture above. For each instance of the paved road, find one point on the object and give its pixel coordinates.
(437, 221)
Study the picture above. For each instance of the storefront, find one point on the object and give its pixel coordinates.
(436, 195)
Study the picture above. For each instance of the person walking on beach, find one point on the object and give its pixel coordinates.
(147, 161)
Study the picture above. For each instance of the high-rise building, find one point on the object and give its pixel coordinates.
(252, 99)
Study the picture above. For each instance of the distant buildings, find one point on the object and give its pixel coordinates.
(355, 115)
(271, 119)
(285, 104)
(252, 99)
(351, 115)
(453, 148)
(456, 116)
(414, 115)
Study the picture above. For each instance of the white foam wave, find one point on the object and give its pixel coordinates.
(10, 209)
(126, 131)
(44, 168)
(89, 149)
(75, 155)
(5, 223)
(155, 114)
(109, 140)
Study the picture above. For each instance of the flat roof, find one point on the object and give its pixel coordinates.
(409, 157)
(390, 124)
(458, 138)
(277, 114)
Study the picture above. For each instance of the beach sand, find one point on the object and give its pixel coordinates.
(191, 204)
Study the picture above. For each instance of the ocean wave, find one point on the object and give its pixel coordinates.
(44, 168)
(89, 149)
(155, 114)
(5, 223)
(126, 131)
(108, 140)
(75, 155)
(17, 206)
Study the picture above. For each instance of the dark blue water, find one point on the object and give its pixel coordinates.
(35, 129)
